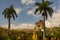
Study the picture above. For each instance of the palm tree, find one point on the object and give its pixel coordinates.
(44, 9)
(9, 13)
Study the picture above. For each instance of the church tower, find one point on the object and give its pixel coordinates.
(39, 25)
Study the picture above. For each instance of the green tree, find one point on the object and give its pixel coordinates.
(56, 32)
(44, 9)
(8, 14)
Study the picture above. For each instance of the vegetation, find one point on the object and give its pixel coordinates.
(9, 13)
(25, 35)
(15, 34)
(44, 9)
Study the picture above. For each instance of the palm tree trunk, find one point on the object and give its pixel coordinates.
(8, 26)
(44, 28)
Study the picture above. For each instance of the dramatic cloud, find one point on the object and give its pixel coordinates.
(27, 2)
(18, 10)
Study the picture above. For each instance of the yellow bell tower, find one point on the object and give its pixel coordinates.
(38, 26)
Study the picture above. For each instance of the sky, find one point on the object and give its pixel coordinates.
(25, 11)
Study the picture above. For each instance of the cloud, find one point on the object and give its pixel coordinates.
(27, 2)
(55, 20)
(54, 7)
(31, 12)
(6, 26)
(26, 26)
(20, 26)
(18, 10)
(47, 24)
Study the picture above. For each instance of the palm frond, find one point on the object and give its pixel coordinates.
(37, 4)
(37, 9)
(13, 16)
(45, 14)
(41, 9)
(11, 6)
(50, 11)
(5, 15)
(6, 10)
(44, 8)
(15, 13)
(42, 1)
(9, 12)
(47, 3)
